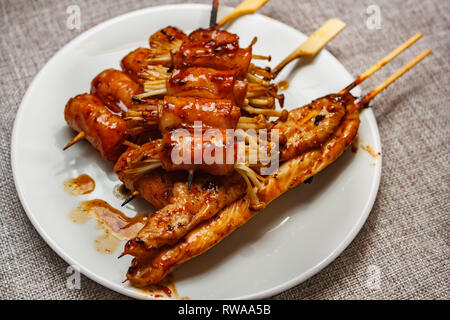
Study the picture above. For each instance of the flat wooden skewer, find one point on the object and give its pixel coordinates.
(245, 7)
(386, 83)
(314, 43)
(388, 58)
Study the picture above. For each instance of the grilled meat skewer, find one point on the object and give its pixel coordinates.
(148, 269)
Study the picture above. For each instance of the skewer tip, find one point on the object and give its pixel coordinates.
(80, 136)
(190, 178)
(213, 18)
(130, 198)
(127, 200)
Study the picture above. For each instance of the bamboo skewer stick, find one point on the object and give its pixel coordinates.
(245, 7)
(386, 83)
(314, 43)
(388, 58)
(80, 136)
(213, 18)
(130, 198)
(190, 178)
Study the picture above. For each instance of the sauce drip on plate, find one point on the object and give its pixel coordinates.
(283, 85)
(165, 289)
(80, 185)
(121, 192)
(371, 151)
(116, 225)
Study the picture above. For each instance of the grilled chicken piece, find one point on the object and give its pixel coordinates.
(294, 171)
(207, 83)
(153, 268)
(156, 185)
(179, 112)
(116, 89)
(212, 48)
(181, 151)
(187, 208)
(310, 126)
(104, 130)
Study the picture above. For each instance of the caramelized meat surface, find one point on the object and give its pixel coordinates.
(104, 130)
(182, 151)
(310, 126)
(179, 112)
(164, 42)
(135, 63)
(187, 208)
(212, 48)
(116, 89)
(153, 268)
(207, 83)
(156, 185)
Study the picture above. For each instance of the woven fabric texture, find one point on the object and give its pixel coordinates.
(406, 236)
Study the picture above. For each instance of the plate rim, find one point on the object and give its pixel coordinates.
(132, 293)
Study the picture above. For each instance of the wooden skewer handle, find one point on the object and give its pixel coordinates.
(314, 43)
(245, 7)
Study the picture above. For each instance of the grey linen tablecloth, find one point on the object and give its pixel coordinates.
(406, 237)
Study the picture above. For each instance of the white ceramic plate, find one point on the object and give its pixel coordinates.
(291, 240)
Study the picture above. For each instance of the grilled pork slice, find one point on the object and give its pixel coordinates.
(184, 111)
(207, 83)
(215, 152)
(212, 48)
